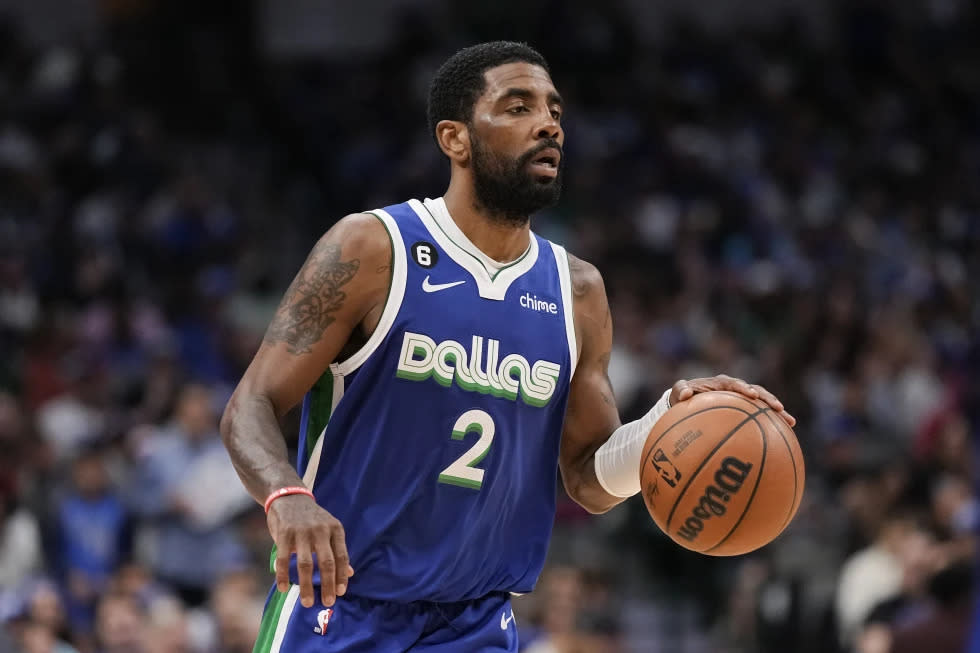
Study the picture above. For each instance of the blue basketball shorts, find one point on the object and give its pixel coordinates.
(358, 625)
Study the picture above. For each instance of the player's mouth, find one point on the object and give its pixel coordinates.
(546, 161)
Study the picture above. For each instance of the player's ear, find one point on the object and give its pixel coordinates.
(454, 139)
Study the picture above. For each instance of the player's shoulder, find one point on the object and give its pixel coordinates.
(359, 234)
(586, 278)
(589, 304)
(362, 226)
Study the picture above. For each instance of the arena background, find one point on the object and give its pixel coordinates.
(783, 191)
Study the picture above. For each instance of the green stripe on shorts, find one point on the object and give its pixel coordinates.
(270, 619)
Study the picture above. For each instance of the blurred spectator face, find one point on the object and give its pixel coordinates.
(868, 497)
(953, 451)
(120, 625)
(11, 420)
(874, 639)
(237, 625)
(46, 608)
(561, 597)
(232, 590)
(954, 507)
(918, 555)
(195, 412)
(87, 377)
(37, 638)
(12, 425)
(89, 476)
(167, 631)
(895, 531)
(132, 580)
(859, 499)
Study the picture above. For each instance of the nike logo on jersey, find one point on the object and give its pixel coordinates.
(449, 362)
(436, 287)
(505, 620)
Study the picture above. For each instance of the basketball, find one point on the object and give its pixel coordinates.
(722, 474)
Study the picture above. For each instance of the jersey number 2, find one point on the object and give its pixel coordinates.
(463, 471)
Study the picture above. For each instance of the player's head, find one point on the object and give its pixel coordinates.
(495, 113)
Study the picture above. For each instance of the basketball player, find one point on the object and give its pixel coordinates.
(449, 362)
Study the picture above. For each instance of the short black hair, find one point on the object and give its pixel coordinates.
(460, 81)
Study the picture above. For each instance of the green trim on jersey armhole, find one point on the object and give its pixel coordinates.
(321, 404)
(396, 293)
(568, 303)
(322, 399)
(391, 268)
(270, 619)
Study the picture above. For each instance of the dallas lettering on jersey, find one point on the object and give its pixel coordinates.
(448, 361)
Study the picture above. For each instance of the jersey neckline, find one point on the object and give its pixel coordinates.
(491, 284)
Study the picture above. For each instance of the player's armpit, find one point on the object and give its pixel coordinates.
(343, 283)
(592, 414)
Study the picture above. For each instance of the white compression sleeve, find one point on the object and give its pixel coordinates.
(617, 461)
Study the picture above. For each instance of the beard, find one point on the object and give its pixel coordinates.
(506, 188)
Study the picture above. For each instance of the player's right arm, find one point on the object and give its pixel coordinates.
(341, 289)
(599, 457)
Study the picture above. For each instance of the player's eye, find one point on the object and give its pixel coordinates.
(520, 108)
(556, 114)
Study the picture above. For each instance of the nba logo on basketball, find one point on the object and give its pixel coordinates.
(668, 472)
(322, 620)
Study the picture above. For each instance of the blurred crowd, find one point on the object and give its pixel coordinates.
(805, 215)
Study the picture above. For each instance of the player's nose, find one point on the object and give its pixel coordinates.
(549, 128)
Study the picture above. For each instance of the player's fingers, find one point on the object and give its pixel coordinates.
(304, 569)
(338, 542)
(769, 398)
(789, 419)
(327, 589)
(284, 546)
(682, 391)
(736, 385)
(325, 558)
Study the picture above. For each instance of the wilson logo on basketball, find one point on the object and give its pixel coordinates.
(729, 479)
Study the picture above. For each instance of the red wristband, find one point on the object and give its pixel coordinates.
(286, 491)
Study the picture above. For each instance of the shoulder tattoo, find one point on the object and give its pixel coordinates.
(311, 301)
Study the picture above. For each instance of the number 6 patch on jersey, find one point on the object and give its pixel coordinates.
(425, 254)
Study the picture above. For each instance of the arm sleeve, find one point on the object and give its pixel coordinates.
(617, 461)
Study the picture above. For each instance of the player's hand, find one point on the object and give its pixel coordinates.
(684, 390)
(298, 525)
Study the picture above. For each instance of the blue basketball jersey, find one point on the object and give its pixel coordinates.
(436, 445)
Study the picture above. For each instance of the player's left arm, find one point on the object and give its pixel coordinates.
(594, 441)
(591, 415)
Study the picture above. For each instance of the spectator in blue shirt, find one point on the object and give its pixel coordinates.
(93, 536)
(182, 489)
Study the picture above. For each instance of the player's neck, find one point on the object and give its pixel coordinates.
(497, 239)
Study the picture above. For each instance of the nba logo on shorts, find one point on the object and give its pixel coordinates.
(322, 620)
